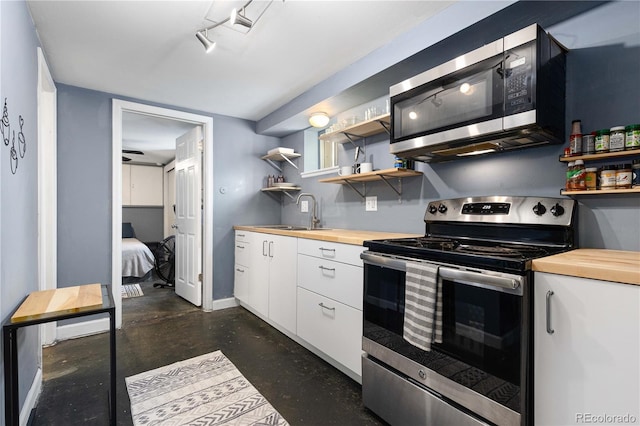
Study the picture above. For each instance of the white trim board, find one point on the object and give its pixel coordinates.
(81, 329)
(32, 398)
(118, 108)
(229, 302)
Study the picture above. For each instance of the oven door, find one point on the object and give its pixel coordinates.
(480, 364)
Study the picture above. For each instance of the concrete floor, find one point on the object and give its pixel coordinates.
(160, 328)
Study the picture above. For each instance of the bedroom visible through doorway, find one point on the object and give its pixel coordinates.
(151, 218)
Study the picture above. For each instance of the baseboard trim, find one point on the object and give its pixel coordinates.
(81, 329)
(32, 398)
(230, 302)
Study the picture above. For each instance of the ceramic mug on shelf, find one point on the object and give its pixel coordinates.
(363, 168)
(345, 171)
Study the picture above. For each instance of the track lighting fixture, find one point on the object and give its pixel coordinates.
(239, 19)
(238, 16)
(206, 42)
(319, 119)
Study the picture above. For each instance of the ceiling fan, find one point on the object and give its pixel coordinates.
(129, 151)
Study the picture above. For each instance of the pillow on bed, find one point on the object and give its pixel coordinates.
(127, 230)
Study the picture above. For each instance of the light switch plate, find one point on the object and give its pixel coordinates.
(371, 204)
(304, 206)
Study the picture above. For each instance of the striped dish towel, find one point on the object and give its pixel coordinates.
(423, 305)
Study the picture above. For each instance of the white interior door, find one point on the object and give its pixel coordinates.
(188, 275)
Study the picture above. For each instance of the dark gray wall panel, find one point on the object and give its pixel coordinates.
(147, 222)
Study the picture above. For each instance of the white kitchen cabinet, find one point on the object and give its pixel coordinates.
(272, 282)
(588, 362)
(142, 185)
(241, 268)
(330, 280)
(332, 327)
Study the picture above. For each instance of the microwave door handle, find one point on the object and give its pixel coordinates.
(462, 276)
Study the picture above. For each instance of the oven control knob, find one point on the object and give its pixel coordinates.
(539, 209)
(557, 210)
(442, 208)
(432, 208)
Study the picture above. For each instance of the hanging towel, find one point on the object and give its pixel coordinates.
(423, 305)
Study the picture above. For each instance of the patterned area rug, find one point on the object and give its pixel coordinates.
(131, 290)
(205, 390)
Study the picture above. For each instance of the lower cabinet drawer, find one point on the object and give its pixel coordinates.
(242, 252)
(241, 283)
(332, 327)
(335, 280)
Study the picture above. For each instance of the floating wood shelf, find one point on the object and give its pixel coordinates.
(383, 175)
(359, 130)
(282, 189)
(279, 157)
(603, 156)
(602, 191)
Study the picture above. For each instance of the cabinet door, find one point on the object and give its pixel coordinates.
(589, 364)
(283, 252)
(126, 184)
(146, 186)
(259, 277)
(332, 327)
(335, 280)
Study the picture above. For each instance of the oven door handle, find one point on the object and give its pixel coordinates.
(462, 276)
(385, 262)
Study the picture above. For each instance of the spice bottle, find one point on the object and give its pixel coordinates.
(632, 136)
(616, 138)
(635, 172)
(579, 183)
(602, 141)
(589, 143)
(570, 167)
(591, 178)
(608, 177)
(575, 139)
(623, 176)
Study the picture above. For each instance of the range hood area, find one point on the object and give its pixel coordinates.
(505, 95)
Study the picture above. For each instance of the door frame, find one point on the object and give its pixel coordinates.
(118, 108)
(47, 188)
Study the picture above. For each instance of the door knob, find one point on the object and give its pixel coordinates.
(174, 226)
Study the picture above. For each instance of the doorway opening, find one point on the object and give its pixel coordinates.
(120, 109)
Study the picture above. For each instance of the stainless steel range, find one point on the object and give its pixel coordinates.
(475, 366)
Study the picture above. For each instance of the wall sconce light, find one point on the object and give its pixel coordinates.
(206, 42)
(319, 119)
(237, 18)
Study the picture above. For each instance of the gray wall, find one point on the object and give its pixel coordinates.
(18, 192)
(147, 222)
(603, 90)
(84, 187)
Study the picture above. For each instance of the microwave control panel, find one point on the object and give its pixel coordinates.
(518, 79)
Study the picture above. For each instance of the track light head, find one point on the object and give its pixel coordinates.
(208, 44)
(238, 18)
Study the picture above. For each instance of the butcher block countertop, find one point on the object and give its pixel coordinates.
(346, 236)
(607, 265)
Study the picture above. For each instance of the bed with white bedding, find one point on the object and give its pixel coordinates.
(137, 259)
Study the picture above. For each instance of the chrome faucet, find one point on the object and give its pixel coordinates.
(314, 219)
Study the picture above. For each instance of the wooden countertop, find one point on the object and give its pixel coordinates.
(608, 265)
(346, 236)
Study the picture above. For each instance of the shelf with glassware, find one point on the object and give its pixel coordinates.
(601, 157)
(384, 175)
(360, 130)
(282, 189)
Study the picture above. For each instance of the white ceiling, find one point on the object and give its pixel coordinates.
(148, 49)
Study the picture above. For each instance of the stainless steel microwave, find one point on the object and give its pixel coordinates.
(507, 94)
